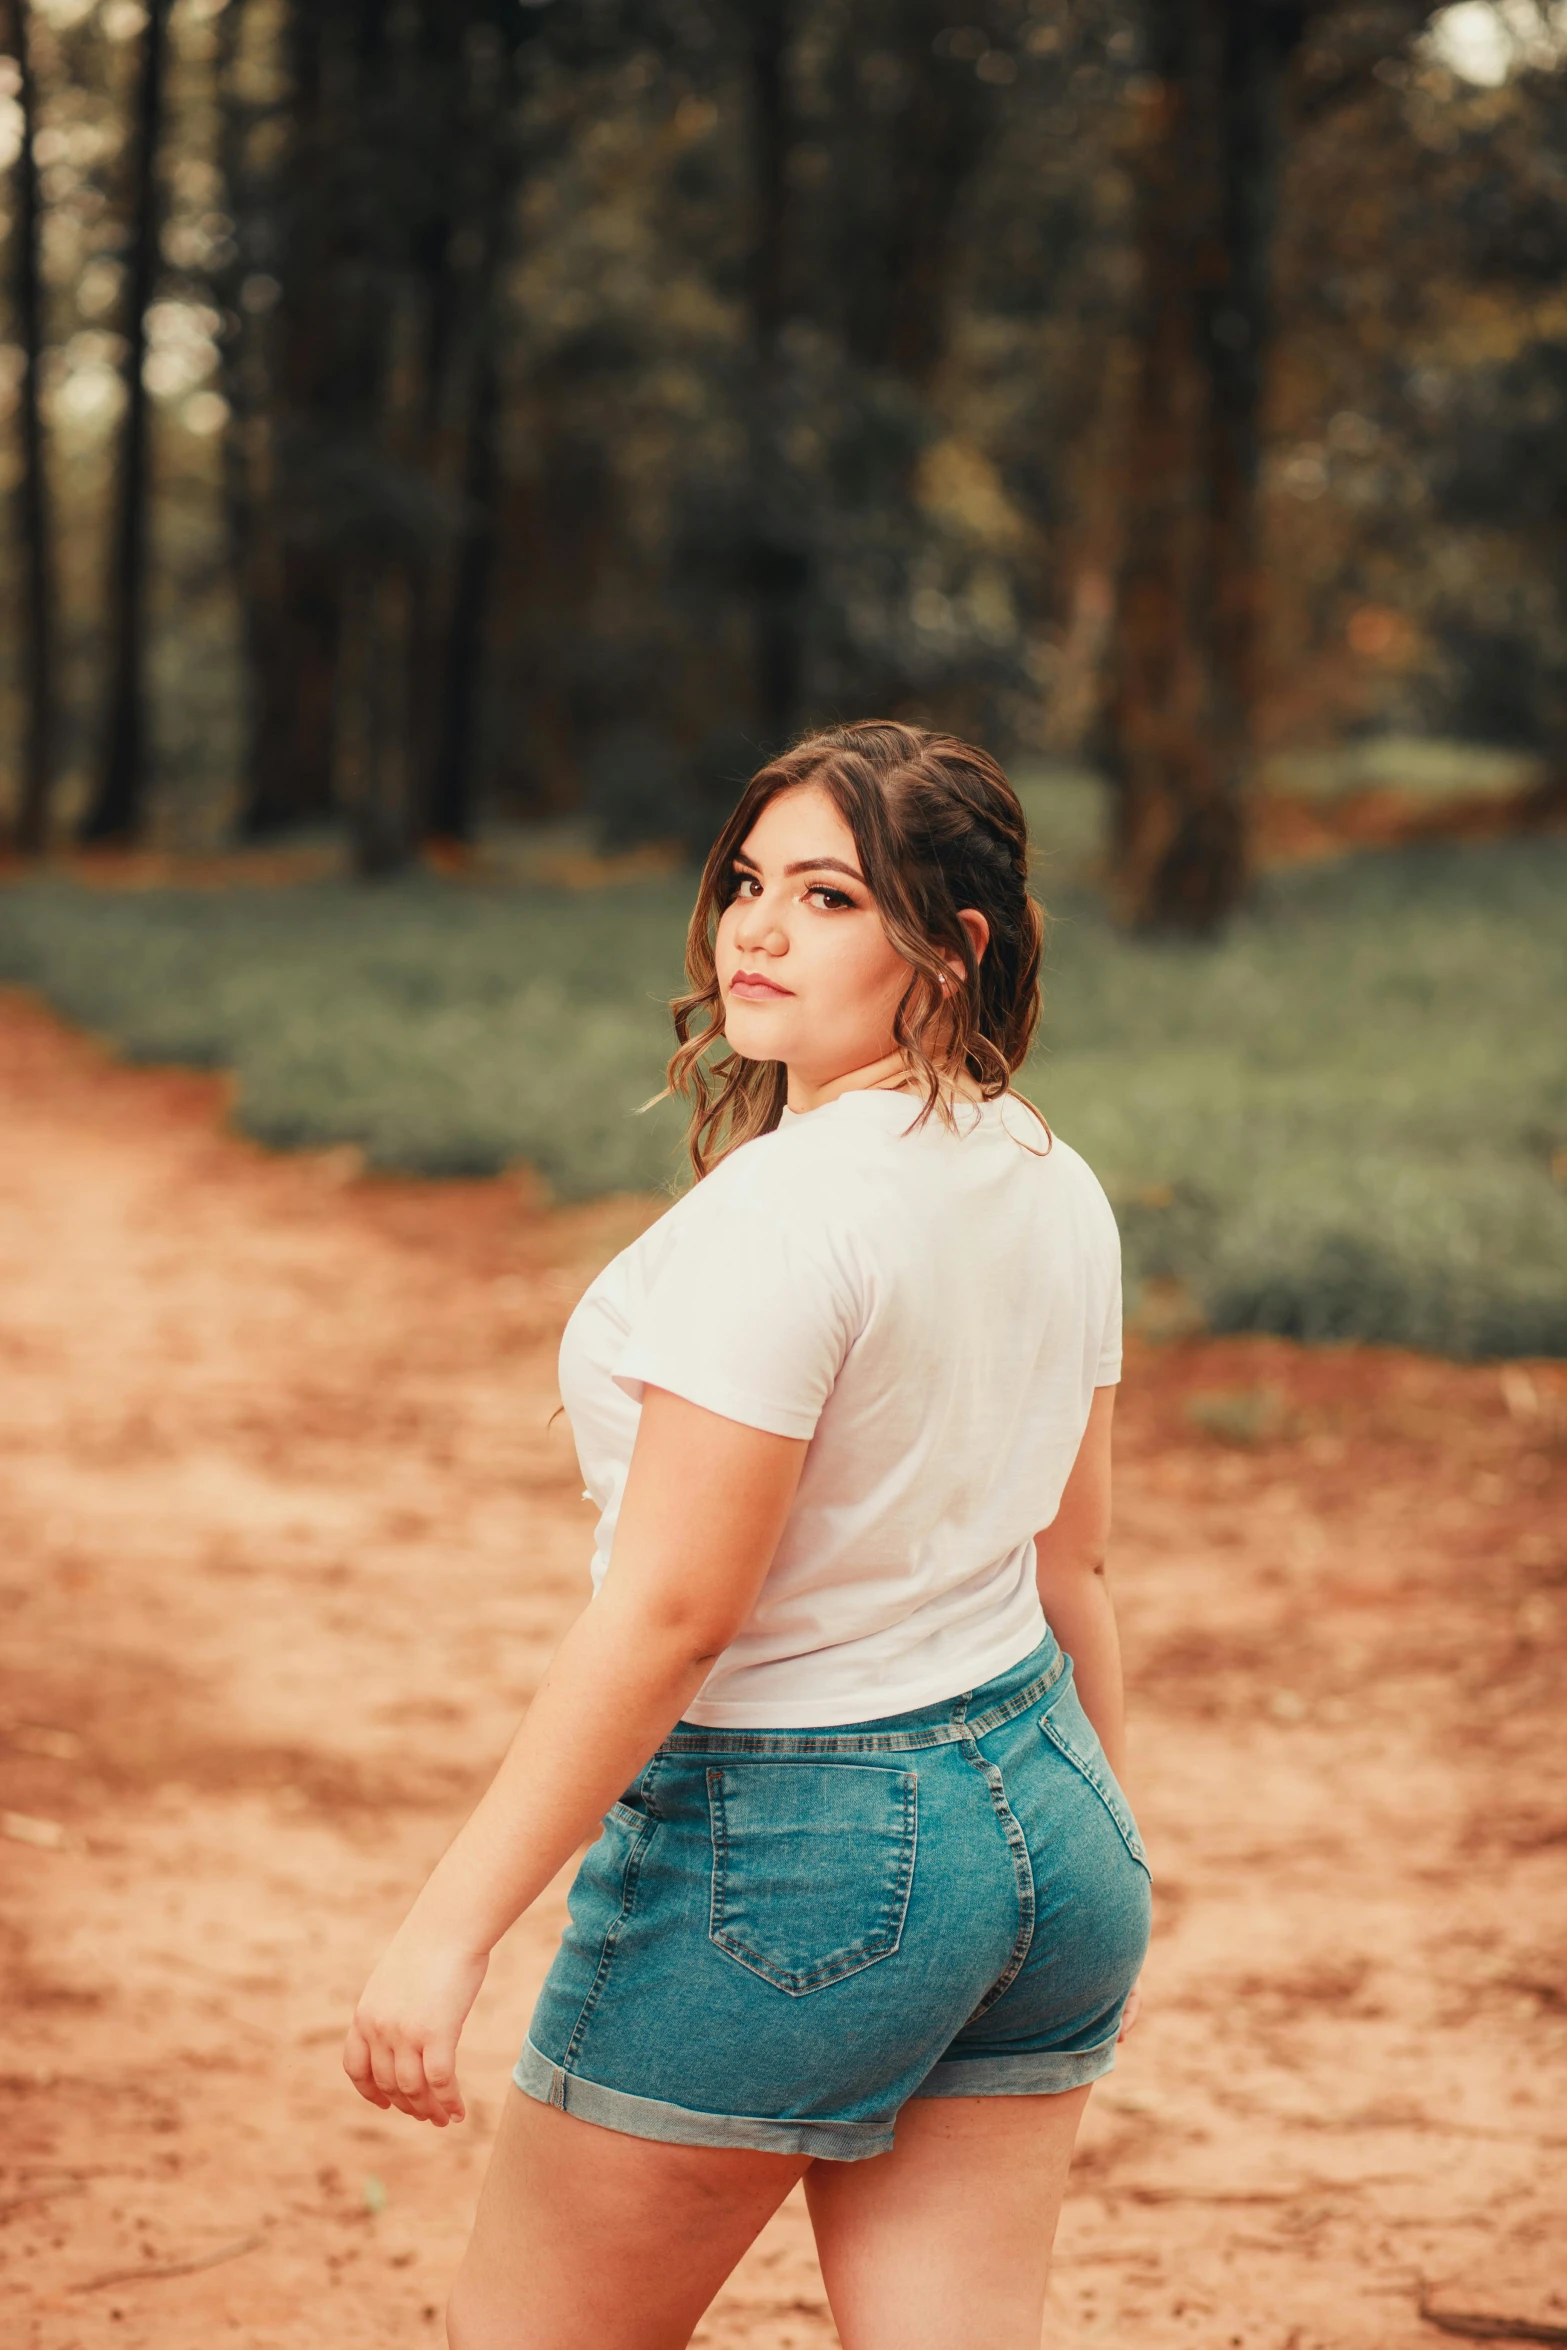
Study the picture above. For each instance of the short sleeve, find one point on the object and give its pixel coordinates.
(1108, 1373)
(752, 1308)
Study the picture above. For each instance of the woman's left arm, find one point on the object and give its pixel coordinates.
(705, 1504)
(1073, 1589)
(1076, 1599)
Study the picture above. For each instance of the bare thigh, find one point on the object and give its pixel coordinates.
(584, 2235)
(944, 2244)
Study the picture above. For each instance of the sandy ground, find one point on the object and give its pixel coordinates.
(286, 1538)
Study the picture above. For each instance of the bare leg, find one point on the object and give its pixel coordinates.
(585, 2236)
(945, 2242)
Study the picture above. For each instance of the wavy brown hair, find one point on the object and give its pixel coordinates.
(938, 829)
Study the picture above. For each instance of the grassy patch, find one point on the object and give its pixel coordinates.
(444, 1029)
(1338, 1123)
(1341, 1122)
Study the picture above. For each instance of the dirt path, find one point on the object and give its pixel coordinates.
(286, 1538)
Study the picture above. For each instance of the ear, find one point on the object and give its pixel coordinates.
(978, 937)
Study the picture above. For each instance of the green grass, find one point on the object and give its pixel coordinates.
(1338, 1123)
(1341, 1122)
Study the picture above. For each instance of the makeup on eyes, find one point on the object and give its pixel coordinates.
(748, 872)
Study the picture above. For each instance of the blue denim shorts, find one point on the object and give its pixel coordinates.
(782, 1935)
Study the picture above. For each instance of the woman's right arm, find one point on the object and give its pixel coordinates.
(1073, 1590)
(705, 1504)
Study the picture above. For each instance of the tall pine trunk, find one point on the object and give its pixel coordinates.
(118, 804)
(377, 714)
(779, 564)
(281, 377)
(32, 495)
(288, 610)
(450, 811)
(464, 266)
(1182, 671)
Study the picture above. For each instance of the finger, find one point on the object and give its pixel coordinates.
(411, 2092)
(383, 2065)
(356, 2056)
(393, 2082)
(441, 2103)
(440, 2071)
(414, 2090)
(356, 2063)
(400, 2102)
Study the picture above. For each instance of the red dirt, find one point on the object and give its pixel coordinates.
(286, 1539)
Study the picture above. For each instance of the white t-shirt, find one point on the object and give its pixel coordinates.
(933, 1311)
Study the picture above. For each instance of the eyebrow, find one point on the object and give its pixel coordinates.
(808, 865)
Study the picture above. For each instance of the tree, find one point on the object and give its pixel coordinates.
(33, 511)
(1206, 157)
(463, 409)
(890, 121)
(449, 814)
(367, 458)
(779, 563)
(287, 608)
(1499, 459)
(116, 810)
(1205, 165)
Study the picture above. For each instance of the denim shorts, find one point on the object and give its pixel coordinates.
(781, 1935)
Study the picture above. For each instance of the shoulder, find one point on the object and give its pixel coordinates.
(1071, 1166)
(1072, 1173)
(806, 1172)
(787, 1196)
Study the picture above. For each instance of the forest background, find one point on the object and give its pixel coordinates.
(451, 443)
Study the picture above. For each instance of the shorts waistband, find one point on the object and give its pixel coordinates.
(974, 1713)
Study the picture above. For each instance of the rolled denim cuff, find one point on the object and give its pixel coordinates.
(679, 2125)
(1039, 2073)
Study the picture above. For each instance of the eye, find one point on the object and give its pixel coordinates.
(833, 900)
(743, 884)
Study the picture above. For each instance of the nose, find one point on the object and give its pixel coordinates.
(758, 929)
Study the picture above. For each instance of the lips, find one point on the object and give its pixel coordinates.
(752, 988)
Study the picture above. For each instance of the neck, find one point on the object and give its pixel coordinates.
(890, 1074)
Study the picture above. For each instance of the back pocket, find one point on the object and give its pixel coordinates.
(812, 1864)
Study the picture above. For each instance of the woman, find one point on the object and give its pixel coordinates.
(868, 1904)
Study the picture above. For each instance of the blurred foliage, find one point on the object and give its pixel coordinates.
(1339, 1123)
(488, 360)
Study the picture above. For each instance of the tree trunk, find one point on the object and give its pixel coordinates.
(779, 563)
(33, 511)
(395, 320)
(450, 814)
(1181, 690)
(118, 805)
(286, 593)
(280, 378)
(464, 424)
(377, 755)
(918, 156)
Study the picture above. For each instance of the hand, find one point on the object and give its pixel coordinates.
(1134, 2001)
(401, 2047)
